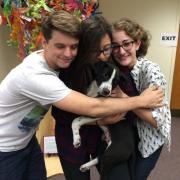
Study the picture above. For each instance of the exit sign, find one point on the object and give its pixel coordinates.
(169, 39)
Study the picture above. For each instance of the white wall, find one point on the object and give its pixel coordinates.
(157, 16)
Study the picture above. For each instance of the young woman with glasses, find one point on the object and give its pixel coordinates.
(130, 45)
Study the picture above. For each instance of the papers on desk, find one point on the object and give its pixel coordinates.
(50, 145)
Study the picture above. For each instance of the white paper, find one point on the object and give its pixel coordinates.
(50, 145)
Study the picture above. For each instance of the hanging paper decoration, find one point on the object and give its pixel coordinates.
(24, 19)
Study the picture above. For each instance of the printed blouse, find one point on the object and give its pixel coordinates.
(144, 74)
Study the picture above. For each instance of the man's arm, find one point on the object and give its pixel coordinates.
(99, 107)
(145, 114)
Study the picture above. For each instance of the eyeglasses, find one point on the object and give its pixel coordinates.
(126, 46)
(106, 51)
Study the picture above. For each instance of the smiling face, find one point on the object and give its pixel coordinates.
(125, 48)
(60, 50)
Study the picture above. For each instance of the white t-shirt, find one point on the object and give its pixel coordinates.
(25, 96)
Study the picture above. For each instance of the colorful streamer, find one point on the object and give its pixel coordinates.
(23, 17)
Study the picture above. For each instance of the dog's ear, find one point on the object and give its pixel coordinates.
(97, 67)
(89, 74)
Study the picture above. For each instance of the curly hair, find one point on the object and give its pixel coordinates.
(136, 32)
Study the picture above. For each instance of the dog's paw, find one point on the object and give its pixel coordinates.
(77, 142)
(84, 168)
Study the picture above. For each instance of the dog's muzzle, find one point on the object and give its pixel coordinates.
(105, 89)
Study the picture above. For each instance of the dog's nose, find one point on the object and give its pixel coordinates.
(106, 92)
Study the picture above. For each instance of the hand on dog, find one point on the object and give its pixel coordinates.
(111, 119)
(153, 96)
(117, 92)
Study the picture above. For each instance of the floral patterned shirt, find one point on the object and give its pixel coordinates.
(145, 73)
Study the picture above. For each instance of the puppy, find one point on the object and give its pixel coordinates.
(106, 76)
(120, 143)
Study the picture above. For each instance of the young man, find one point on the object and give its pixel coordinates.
(33, 86)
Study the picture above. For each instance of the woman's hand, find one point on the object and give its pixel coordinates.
(111, 119)
(153, 96)
(117, 92)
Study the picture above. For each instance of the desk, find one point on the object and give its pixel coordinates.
(53, 165)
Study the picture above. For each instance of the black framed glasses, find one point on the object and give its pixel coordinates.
(107, 50)
(125, 45)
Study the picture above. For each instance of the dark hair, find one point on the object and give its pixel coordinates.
(136, 32)
(61, 21)
(93, 30)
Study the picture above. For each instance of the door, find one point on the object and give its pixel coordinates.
(175, 94)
